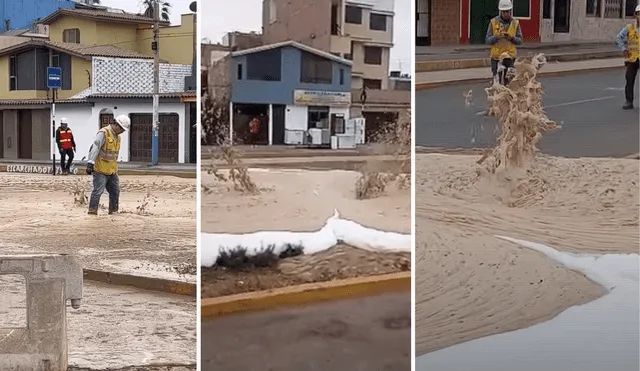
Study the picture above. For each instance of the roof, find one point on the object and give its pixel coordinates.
(79, 50)
(100, 15)
(36, 101)
(293, 44)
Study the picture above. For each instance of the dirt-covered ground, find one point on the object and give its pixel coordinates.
(154, 235)
(301, 200)
(470, 284)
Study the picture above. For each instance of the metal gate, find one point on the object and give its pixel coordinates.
(423, 22)
(140, 137)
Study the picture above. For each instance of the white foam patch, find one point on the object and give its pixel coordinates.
(600, 335)
(335, 229)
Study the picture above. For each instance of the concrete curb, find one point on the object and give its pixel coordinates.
(455, 64)
(438, 84)
(140, 282)
(305, 294)
(134, 172)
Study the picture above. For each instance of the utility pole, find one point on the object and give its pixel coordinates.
(156, 83)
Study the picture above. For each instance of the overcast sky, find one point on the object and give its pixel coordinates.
(178, 7)
(222, 16)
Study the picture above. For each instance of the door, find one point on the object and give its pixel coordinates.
(140, 137)
(24, 134)
(423, 22)
(169, 138)
(481, 13)
(561, 19)
(278, 124)
(193, 132)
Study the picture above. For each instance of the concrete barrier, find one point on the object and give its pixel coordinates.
(305, 294)
(51, 280)
(46, 169)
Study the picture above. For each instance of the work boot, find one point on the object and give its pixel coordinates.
(93, 212)
(113, 211)
(628, 105)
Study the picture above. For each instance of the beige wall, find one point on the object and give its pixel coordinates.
(362, 30)
(87, 27)
(79, 81)
(7, 41)
(304, 21)
(368, 71)
(10, 131)
(176, 42)
(122, 35)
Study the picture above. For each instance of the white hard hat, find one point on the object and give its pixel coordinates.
(638, 8)
(505, 5)
(64, 120)
(124, 121)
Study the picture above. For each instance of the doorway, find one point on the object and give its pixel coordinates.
(481, 13)
(561, 18)
(423, 22)
(278, 123)
(25, 140)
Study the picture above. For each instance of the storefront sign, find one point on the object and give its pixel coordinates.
(36, 169)
(321, 98)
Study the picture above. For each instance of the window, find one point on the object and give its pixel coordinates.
(315, 70)
(318, 117)
(273, 12)
(546, 9)
(71, 35)
(342, 76)
(13, 76)
(613, 8)
(377, 22)
(349, 56)
(265, 66)
(353, 14)
(372, 55)
(593, 8)
(521, 8)
(239, 71)
(335, 26)
(64, 62)
(630, 8)
(372, 84)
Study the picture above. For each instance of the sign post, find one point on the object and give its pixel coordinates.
(54, 82)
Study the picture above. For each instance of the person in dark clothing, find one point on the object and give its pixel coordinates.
(66, 145)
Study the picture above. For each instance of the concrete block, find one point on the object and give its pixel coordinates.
(51, 281)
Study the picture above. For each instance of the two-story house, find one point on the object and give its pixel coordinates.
(360, 31)
(291, 88)
(106, 63)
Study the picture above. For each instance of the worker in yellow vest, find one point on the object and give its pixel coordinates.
(503, 34)
(629, 42)
(102, 164)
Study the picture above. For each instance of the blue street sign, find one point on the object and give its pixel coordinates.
(54, 77)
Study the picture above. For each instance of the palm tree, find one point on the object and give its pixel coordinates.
(148, 9)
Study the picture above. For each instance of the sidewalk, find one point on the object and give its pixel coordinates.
(433, 79)
(125, 168)
(473, 56)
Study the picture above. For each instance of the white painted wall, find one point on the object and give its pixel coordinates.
(84, 122)
(295, 118)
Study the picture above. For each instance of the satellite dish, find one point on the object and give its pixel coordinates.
(192, 6)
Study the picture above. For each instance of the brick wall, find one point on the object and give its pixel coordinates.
(445, 22)
(119, 75)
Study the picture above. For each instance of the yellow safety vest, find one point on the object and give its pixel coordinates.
(633, 43)
(107, 161)
(503, 45)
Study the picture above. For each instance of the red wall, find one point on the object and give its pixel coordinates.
(530, 27)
